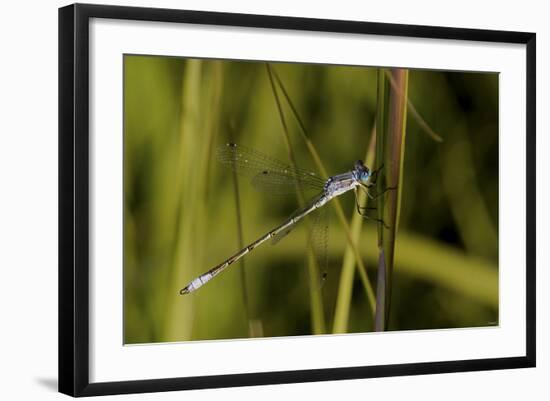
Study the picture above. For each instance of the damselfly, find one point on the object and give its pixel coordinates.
(275, 176)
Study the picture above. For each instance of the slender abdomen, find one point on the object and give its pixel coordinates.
(210, 274)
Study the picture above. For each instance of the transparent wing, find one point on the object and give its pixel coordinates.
(268, 174)
(276, 238)
(276, 182)
(319, 242)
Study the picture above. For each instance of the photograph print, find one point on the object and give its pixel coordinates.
(267, 199)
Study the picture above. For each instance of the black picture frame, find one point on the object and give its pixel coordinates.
(74, 194)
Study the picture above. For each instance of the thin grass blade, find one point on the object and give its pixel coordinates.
(391, 120)
(369, 291)
(316, 300)
(345, 284)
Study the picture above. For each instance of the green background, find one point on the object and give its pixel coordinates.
(180, 214)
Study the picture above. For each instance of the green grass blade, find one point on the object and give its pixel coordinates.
(414, 112)
(391, 119)
(369, 292)
(200, 99)
(240, 245)
(424, 259)
(345, 285)
(184, 253)
(316, 300)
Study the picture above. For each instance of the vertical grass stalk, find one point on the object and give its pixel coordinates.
(345, 285)
(391, 120)
(240, 245)
(184, 253)
(316, 300)
(200, 101)
(369, 292)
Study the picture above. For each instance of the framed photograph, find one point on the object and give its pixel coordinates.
(250, 199)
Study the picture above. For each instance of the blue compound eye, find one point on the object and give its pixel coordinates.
(361, 172)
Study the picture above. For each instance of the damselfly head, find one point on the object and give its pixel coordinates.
(362, 172)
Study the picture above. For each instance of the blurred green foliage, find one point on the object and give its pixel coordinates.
(180, 214)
